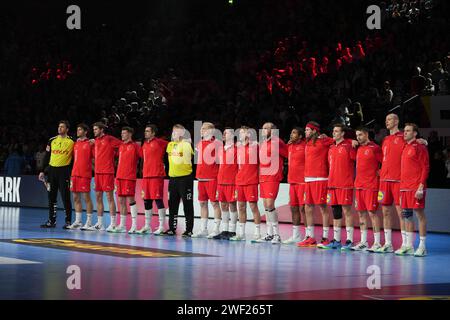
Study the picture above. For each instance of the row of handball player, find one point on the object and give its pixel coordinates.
(321, 173)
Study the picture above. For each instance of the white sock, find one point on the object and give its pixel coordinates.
(233, 221)
(337, 233)
(377, 237)
(217, 225)
(364, 236)
(113, 220)
(161, 217)
(89, 218)
(225, 220)
(404, 238)
(387, 236)
(275, 226)
(350, 233)
(295, 232)
(269, 222)
(204, 222)
(258, 229)
(422, 242)
(78, 217)
(325, 232)
(100, 220)
(148, 217)
(310, 231)
(134, 213)
(242, 229)
(409, 239)
(123, 220)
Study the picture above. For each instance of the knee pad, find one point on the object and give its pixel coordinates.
(407, 214)
(148, 204)
(337, 212)
(159, 203)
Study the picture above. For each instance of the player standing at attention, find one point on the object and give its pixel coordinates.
(247, 183)
(153, 150)
(80, 181)
(272, 152)
(316, 179)
(296, 180)
(181, 182)
(129, 154)
(368, 160)
(226, 185)
(206, 174)
(105, 147)
(57, 164)
(415, 168)
(341, 159)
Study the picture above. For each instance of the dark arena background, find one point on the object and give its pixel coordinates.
(231, 63)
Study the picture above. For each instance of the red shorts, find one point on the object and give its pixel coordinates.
(297, 194)
(207, 190)
(408, 200)
(152, 188)
(337, 196)
(226, 193)
(269, 190)
(316, 192)
(389, 193)
(104, 182)
(80, 184)
(366, 200)
(247, 193)
(125, 188)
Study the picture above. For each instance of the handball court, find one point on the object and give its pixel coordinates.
(34, 263)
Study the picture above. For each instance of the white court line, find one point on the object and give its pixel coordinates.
(5, 260)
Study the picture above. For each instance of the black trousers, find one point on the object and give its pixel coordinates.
(181, 188)
(59, 180)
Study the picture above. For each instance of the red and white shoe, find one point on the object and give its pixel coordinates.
(308, 242)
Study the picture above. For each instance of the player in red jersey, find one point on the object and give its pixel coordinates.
(153, 173)
(226, 185)
(341, 159)
(316, 179)
(80, 180)
(206, 174)
(247, 182)
(104, 152)
(368, 160)
(296, 180)
(415, 167)
(129, 154)
(272, 152)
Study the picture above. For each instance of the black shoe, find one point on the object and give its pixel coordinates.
(187, 234)
(230, 235)
(66, 226)
(222, 236)
(48, 224)
(168, 233)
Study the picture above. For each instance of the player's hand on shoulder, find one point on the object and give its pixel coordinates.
(41, 177)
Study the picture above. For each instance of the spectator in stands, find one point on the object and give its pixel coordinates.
(418, 82)
(14, 164)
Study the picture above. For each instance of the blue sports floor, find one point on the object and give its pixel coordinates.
(122, 266)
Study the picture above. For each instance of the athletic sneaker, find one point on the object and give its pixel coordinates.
(158, 231)
(200, 234)
(222, 236)
(120, 229)
(132, 230)
(75, 226)
(97, 227)
(237, 238)
(323, 242)
(168, 233)
(66, 226)
(86, 226)
(213, 234)
(186, 234)
(332, 245)
(291, 240)
(405, 251)
(276, 239)
(48, 224)
(145, 230)
(308, 242)
(111, 228)
(258, 239)
(347, 246)
(420, 252)
(387, 248)
(374, 248)
(362, 246)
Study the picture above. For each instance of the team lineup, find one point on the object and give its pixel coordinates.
(330, 173)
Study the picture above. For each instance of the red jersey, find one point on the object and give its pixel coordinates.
(392, 148)
(83, 153)
(247, 159)
(129, 154)
(368, 160)
(316, 158)
(208, 159)
(415, 166)
(104, 153)
(296, 162)
(153, 152)
(271, 156)
(341, 158)
(228, 166)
